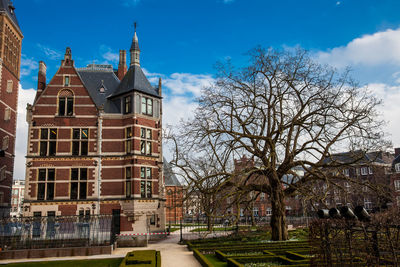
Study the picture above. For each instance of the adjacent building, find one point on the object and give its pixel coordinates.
(94, 144)
(174, 195)
(17, 198)
(10, 61)
(395, 178)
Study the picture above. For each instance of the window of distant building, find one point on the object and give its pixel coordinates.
(127, 105)
(80, 142)
(145, 142)
(255, 211)
(128, 140)
(367, 204)
(128, 180)
(79, 183)
(269, 211)
(147, 106)
(364, 170)
(370, 170)
(145, 182)
(65, 103)
(357, 171)
(48, 142)
(346, 172)
(397, 185)
(397, 167)
(46, 179)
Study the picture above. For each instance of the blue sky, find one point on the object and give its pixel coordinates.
(181, 40)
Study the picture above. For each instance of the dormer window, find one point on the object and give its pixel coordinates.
(102, 90)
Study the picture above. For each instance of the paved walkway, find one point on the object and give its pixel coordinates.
(172, 254)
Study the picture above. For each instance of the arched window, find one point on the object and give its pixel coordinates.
(65, 103)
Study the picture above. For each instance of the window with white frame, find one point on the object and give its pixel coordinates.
(397, 167)
(9, 86)
(370, 170)
(241, 212)
(262, 196)
(346, 172)
(397, 185)
(255, 211)
(269, 211)
(364, 170)
(367, 204)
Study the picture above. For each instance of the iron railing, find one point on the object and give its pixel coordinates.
(55, 231)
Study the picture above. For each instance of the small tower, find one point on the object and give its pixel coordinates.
(135, 50)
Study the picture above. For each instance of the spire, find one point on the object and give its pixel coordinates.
(135, 51)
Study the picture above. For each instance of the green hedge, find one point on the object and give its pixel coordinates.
(200, 258)
(239, 261)
(238, 243)
(264, 246)
(142, 258)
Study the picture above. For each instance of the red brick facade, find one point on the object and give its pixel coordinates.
(87, 153)
(10, 60)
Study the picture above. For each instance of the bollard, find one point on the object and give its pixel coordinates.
(362, 213)
(347, 213)
(334, 213)
(323, 214)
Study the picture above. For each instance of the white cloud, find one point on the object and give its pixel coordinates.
(338, 3)
(390, 108)
(108, 55)
(228, 1)
(369, 50)
(183, 83)
(50, 53)
(25, 96)
(28, 65)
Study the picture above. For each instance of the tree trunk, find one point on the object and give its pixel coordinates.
(209, 225)
(278, 218)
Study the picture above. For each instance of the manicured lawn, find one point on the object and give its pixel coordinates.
(74, 263)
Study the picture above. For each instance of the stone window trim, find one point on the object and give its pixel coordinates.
(128, 182)
(80, 142)
(146, 141)
(128, 140)
(48, 142)
(146, 187)
(65, 103)
(45, 184)
(6, 142)
(7, 114)
(397, 167)
(10, 85)
(396, 185)
(79, 183)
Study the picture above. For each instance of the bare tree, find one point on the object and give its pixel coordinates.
(285, 111)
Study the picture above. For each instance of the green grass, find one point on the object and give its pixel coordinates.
(214, 229)
(172, 229)
(71, 263)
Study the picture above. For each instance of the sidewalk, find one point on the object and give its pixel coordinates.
(172, 254)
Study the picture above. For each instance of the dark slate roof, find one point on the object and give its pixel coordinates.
(5, 7)
(359, 157)
(135, 80)
(170, 177)
(94, 79)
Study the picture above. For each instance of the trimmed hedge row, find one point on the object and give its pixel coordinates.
(203, 260)
(239, 261)
(279, 245)
(142, 258)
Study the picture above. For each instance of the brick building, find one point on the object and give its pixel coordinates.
(395, 178)
(17, 197)
(174, 195)
(365, 169)
(10, 61)
(94, 144)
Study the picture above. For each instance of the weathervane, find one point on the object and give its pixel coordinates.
(134, 24)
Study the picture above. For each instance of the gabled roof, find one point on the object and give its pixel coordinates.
(170, 177)
(359, 157)
(135, 80)
(7, 7)
(94, 79)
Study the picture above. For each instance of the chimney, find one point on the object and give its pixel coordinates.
(396, 152)
(41, 77)
(122, 68)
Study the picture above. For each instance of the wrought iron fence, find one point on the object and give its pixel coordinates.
(55, 231)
